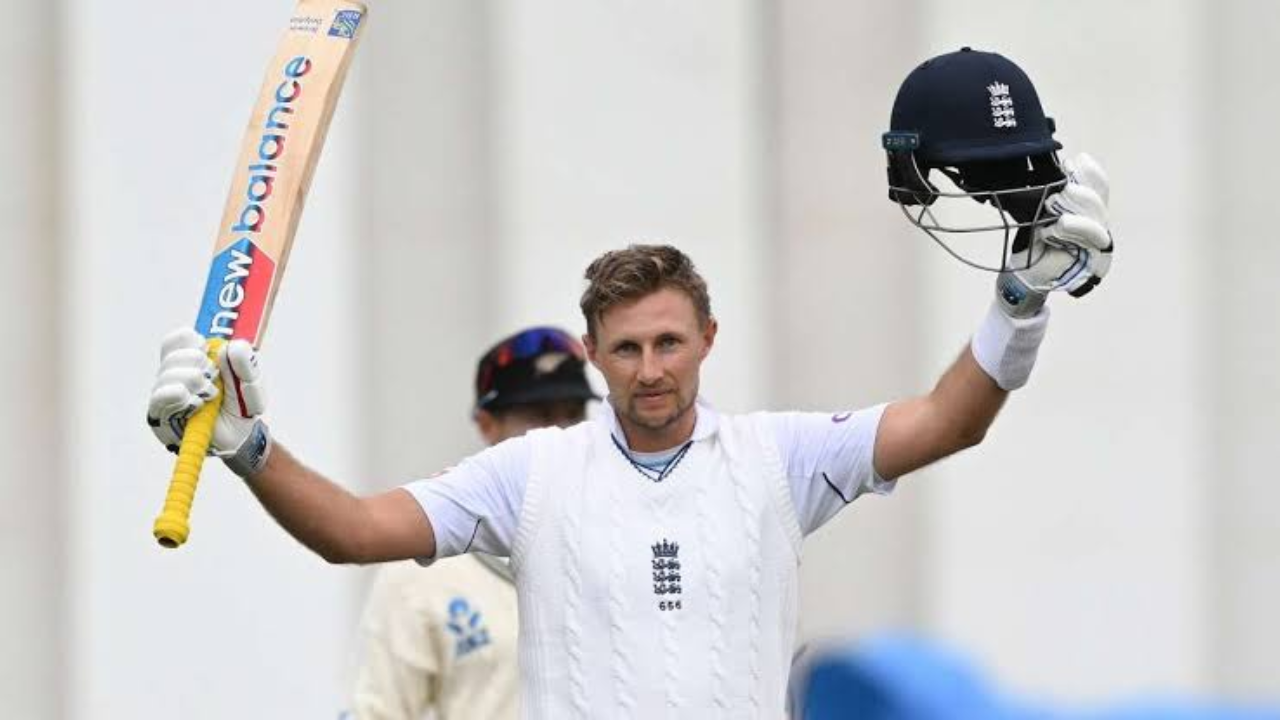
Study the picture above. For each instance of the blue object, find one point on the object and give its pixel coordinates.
(898, 677)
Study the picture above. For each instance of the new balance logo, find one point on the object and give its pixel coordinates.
(1002, 113)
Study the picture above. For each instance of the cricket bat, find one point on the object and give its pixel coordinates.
(277, 159)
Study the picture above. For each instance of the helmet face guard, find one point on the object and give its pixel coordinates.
(976, 120)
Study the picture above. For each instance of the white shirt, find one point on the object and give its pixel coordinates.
(827, 458)
(711, 631)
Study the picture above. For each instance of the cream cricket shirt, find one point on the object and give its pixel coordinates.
(441, 638)
(665, 596)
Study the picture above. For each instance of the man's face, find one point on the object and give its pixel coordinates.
(518, 420)
(650, 352)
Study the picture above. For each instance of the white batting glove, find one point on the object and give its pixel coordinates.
(1073, 254)
(185, 382)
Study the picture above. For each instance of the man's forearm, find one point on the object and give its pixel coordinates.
(337, 525)
(969, 395)
(965, 402)
(317, 512)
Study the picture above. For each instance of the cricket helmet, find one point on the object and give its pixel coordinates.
(536, 365)
(975, 118)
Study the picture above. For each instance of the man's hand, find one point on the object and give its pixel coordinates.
(1072, 254)
(185, 382)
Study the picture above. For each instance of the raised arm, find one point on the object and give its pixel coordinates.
(954, 416)
(336, 524)
(1072, 254)
(322, 515)
(958, 411)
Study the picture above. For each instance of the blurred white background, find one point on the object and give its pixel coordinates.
(1114, 534)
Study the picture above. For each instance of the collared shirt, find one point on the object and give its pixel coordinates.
(828, 459)
(705, 422)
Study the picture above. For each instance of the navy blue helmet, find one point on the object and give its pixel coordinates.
(976, 118)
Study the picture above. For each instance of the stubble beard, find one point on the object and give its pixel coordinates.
(683, 405)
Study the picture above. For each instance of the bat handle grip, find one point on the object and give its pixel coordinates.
(172, 525)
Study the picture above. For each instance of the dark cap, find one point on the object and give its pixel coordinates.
(970, 106)
(537, 365)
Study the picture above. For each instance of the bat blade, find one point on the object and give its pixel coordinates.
(277, 159)
(273, 172)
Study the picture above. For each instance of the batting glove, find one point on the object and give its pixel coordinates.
(1072, 254)
(185, 382)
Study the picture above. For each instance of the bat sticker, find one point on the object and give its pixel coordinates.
(345, 24)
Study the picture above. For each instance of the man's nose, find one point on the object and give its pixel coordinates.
(650, 367)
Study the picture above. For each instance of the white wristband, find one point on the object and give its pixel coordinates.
(1006, 347)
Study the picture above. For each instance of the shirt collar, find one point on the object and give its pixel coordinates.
(706, 421)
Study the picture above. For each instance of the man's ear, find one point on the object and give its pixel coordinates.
(589, 343)
(489, 425)
(709, 335)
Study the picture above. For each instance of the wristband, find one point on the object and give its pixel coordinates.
(1006, 347)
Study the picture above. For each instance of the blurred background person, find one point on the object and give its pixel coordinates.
(443, 638)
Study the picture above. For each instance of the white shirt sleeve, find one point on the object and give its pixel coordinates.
(828, 460)
(475, 507)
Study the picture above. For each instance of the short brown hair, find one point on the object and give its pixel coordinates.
(622, 276)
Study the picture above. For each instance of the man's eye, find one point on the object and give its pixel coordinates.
(668, 343)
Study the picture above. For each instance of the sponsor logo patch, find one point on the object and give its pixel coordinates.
(345, 23)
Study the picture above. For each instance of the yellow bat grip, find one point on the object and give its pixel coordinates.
(172, 527)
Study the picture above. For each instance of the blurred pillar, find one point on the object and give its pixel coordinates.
(1241, 261)
(32, 448)
(624, 122)
(427, 253)
(843, 306)
(1070, 551)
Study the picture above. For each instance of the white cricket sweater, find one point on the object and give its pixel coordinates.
(644, 599)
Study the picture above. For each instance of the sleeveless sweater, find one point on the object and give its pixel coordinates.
(667, 599)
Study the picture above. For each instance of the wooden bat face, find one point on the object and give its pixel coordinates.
(277, 159)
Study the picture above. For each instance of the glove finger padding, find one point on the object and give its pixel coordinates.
(183, 338)
(1077, 230)
(1084, 170)
(241, 378)
(1078, 200)
(167, 414)
(240, 435)
(1080, 233)
(195, 380)
(183, 383)
(187, 358)
(1072, 254)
